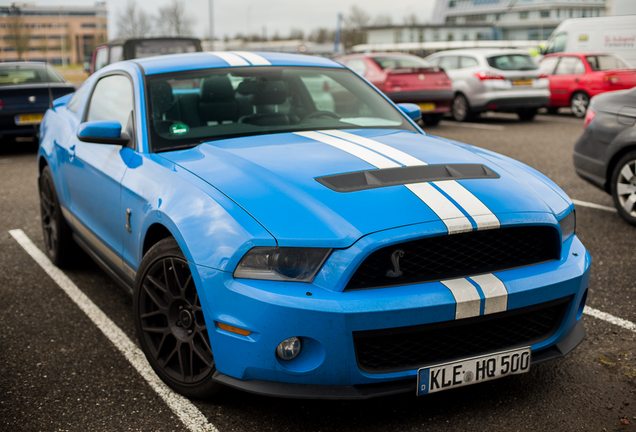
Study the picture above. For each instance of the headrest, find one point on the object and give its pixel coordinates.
(160, 97)
(217, 89)
(265, 92)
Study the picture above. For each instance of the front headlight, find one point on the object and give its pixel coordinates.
(281, 263)
(568, 226)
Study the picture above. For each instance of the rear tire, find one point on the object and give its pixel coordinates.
(527, 114)
(432, 119)
(553, 110)
(460, 108)
(623, 187)
(169, 322)
(579, 103)
(58, 237)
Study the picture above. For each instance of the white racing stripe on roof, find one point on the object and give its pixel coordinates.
(466, 297)
(231, 59)
(365, 154)
(395, 154)
(495, 292)
(255, 59)
(452, 217)
(482, 215)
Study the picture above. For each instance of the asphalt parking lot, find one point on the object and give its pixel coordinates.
(61, 372)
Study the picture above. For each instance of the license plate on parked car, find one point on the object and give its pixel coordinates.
(522, 82)
(28, 119)
(472, 371)
(427, 107)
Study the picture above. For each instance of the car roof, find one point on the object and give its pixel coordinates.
(577, 54)
(484, 52)
(223, 59)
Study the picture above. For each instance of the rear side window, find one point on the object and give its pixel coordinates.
(358, 66)
(465, 62)
(101, 58)
(449, 62)
(605, 62)
(116, 53)
(512, 62)
(570, 65)
(547, 65)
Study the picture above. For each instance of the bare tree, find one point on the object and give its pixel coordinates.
(133, 23)
(19, 34)
(296, 34)
(410, 20)
(355, 22)
(44, 48)
(173, 20)
(322, 35)
(383, 20)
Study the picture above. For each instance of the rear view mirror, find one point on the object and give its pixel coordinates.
(102, 132)
(411, 110)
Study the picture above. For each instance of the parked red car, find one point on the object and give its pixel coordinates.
(577, 77)
(406, 78)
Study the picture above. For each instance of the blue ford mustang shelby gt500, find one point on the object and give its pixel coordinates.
(286, 230)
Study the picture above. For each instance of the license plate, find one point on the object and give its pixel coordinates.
(522, 82)
(28, 119)
(472, 371)
(427, 107)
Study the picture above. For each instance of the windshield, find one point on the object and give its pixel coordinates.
(149, 48)
(605, 62)
(187, 108)
(512, 62)
(406, 62)
(28, 74)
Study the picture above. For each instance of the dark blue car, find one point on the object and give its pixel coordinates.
(285, 229)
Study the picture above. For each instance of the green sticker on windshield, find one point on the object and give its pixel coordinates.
(179, 129)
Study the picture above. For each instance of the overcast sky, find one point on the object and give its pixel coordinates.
(250, 16)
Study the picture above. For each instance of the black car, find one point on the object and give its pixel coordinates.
(605, 155)
(27, 90)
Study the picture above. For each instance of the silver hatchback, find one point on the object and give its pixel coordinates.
(493, 80)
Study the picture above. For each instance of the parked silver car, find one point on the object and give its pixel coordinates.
(493, 80)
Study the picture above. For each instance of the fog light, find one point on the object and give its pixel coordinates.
(289, 348)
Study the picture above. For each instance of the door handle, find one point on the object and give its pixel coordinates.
(71, 153)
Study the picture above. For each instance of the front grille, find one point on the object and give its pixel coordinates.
(404, 348)
(457, 255)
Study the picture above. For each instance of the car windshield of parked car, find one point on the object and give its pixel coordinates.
(512, 62)
(605, 62)
(17, 74)
(188, 108)
(405, 62)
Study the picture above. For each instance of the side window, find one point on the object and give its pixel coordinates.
(568, 66)
(358, 66)
(112, 99)
(547, 65)
(76, 99)
(466, 62)
(580, 67)
(101, 58)
(434, 62)
(449, 62)
(116, 54)
(557, 44)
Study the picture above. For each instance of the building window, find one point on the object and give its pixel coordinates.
(477, 18)
(450, 19)
(449, 37)
(89, 25)
(397, 37)
(545, 14)
(584, 13)
(420, 36)
(523, 15)
(452, 3)
(558, 13)
(436, 36)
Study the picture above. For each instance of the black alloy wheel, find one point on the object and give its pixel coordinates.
(623, 187)
(460, 108)
(58, 237)
(170, 324)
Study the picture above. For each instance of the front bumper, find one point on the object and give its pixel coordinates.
(326, 320)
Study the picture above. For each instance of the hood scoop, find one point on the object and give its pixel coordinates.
(377, 178)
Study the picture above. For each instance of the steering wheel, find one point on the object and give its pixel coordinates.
(322, 113)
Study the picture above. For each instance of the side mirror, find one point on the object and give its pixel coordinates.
(411, 110)
(102, 132)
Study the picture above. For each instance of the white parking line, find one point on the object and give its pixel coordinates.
(595, 206)
(610, 318)
(189, 414)
(472, 125)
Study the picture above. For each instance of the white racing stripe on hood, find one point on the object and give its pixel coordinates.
(452, 217)
(484, 218)
(466, 296)
(231, 59)
(495, 292)
(255, 59)
(371, 157)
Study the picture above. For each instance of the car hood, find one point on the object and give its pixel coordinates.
(274, 178)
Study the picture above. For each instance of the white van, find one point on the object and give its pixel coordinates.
(616, 34)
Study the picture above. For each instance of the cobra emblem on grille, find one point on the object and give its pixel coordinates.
(395, 260)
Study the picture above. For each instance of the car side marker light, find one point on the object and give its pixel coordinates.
(233, 329)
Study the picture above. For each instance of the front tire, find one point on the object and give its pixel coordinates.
(579, 103)
(527, 114)
(169, 322)
(58, 237)
(461, 108)
(432, 119)
(623, 187)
